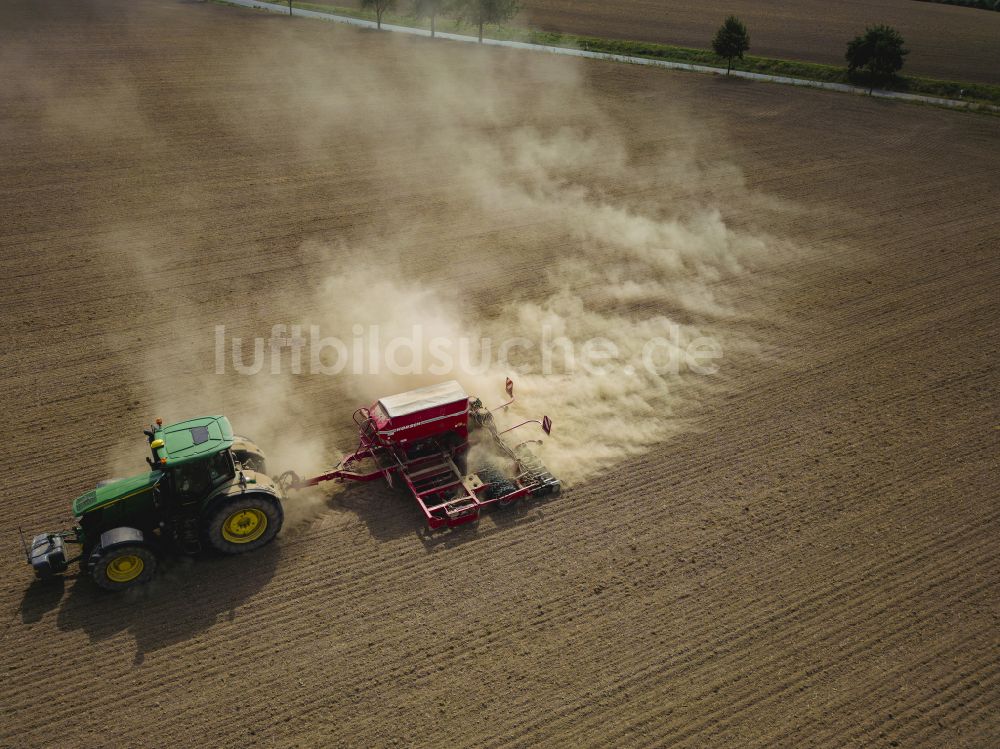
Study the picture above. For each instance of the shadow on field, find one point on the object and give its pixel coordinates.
(491, 522)
(390, 514)
(186, 597)
(41, 597)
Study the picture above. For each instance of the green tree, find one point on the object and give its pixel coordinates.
(482, 12)
(879, 51)
(380, 6)
(430, 9)
(731, 40)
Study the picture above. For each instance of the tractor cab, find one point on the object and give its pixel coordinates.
(189, 441)
(194, 457)
(206, 447)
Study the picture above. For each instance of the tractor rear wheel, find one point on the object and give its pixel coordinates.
(123, 567)
(244, 523)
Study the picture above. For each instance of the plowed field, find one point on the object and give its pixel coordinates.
(798, 551)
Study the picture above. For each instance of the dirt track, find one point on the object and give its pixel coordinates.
(813, 562)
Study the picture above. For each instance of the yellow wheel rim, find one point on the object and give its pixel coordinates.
(244, 526)
(124, 568)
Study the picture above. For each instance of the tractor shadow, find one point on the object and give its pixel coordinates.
(41, 597)
(187, 596)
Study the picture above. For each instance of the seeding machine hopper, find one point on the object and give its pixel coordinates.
(422, 437)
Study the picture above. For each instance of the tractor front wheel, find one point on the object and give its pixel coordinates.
(244, 523)
(123, 567)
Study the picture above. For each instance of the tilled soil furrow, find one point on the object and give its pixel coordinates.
(734, 647)
(807, 558)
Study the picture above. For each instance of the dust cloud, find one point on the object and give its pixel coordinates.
(622, 249)
(495, 196)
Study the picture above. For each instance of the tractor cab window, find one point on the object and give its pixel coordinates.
(220, 467)
(194, 480)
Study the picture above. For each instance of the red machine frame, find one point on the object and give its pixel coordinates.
(426, 447)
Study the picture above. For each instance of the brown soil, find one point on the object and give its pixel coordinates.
(813, 563)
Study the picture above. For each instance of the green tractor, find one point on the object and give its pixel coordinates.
(206, 488)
